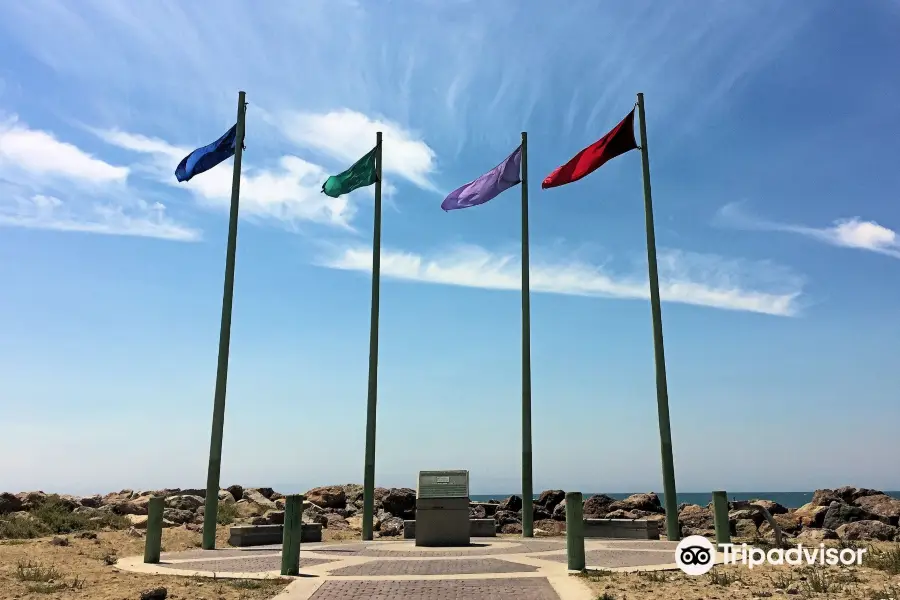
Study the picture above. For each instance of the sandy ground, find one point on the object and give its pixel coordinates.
(83, 572)
(736, 582)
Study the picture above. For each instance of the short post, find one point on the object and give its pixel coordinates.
(574, 532)
(153, 542)
(720, 515)
(293, 529)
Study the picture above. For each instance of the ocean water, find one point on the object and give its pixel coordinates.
(787, 499)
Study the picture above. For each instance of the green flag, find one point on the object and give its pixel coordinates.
(361, 174)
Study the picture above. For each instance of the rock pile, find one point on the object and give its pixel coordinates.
(847, 513)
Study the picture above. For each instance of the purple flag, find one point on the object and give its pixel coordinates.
(488, 186)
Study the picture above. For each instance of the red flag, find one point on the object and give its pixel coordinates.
(618, 141)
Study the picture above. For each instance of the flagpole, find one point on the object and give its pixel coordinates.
(527, 489)
(662, 395)
(215, 446)
(369, 475)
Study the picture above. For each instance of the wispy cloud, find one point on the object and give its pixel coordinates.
(346, 135)
(52, 184)
(34, 152)
(853, 232)
(141, 220)
(287, 191)
(702, 280)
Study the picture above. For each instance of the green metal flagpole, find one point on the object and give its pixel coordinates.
(527, 489)
(662, 395)
(369, 476)
(215, 446)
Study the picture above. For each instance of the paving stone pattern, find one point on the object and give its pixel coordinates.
(204, 554)
(434, 567)
(243, 565)
(619, 558)
(530, 588)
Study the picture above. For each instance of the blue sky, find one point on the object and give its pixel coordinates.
(773, 154)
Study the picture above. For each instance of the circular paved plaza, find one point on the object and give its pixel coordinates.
(488, 569)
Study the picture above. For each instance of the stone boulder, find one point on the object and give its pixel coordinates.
(511, 528)
(788, 522)
(745, 528)
(489, 507)
(811, 514)
(330, 496)
(549, 499)
(177, 515)
(247, 509)
(644, 502)
(840, 514)
(391, 526)
(93, 501)
(185, 502)
(847, 495)
(540, 513)
(503, 517)
(355, 523)
(226, 497)
(511, 504)
(255, 496)
(237, 491)
(622, 514)
(477, 511)
(312, 513)
(559, 511)
(31, 500)
(336, 522)
(745, 514)
(128, 507)
(867, 530)
(354, 494)
(696, 518)
(400, 502)
(815, 536)
(773, 507)
(274, 517)
(881, 505)
(597, 506)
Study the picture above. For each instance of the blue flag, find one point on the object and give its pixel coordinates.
(205, 158)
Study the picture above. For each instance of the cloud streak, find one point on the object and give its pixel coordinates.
(346, 135)
(39, 153)
(143, 220)
(844, 233)
(686, 278)
(51, 184)
(287, 191)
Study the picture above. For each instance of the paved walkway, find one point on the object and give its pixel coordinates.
(489, 569)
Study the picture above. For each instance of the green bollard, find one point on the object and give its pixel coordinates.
(153, 543)
(293, 529)
(720, 514)
(574, 532)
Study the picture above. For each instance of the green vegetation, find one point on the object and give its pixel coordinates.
(54, 516)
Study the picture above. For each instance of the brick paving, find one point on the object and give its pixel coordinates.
(618, 558)
(433, 567)
(530, 588)
(251, 564)
(204, 554)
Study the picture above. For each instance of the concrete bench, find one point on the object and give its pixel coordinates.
(477, 528)
(638, 529)
(261, 535)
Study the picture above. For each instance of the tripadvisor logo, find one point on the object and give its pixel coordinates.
(696, 555)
